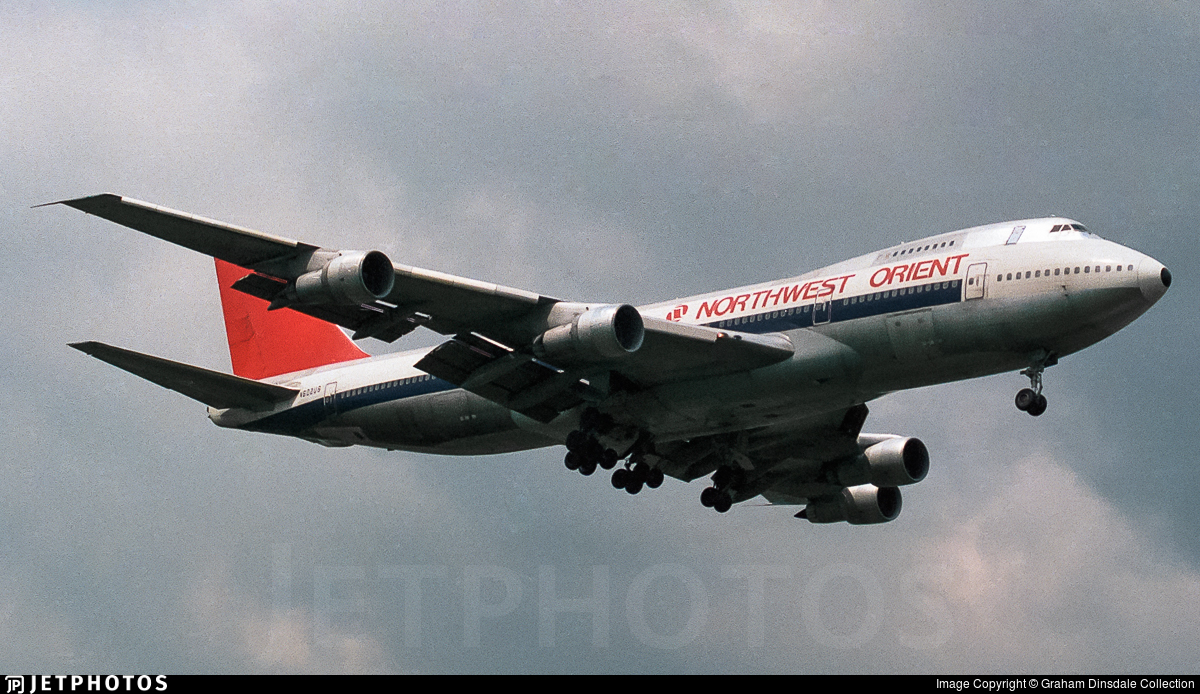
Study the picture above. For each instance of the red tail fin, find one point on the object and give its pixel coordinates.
(264, 344)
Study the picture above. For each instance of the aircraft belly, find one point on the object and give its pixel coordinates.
(822, 376)
(453, 422)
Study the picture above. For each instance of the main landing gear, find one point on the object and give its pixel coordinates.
(585, 453)
(1031, 399)
(636, 474)
(718, 496)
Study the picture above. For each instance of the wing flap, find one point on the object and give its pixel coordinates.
(506, 377)
(209, 387)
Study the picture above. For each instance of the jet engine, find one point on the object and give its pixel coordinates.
(603, 333)
(357, 277)
(862, 505)
(893, 462)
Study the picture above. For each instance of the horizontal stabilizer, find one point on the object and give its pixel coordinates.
(212, 388)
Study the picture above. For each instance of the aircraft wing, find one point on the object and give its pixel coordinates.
(280, 270)
(823, 462)
(678, 351)
(439, 301)
(761, 453)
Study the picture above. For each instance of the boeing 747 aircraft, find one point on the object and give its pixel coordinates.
(762, 387)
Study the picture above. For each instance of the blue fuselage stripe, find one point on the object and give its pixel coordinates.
(846, 308)
(301, 417)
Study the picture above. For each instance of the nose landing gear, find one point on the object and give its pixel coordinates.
(1031, 399)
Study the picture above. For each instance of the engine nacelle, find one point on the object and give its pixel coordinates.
(599, 334)
(862, 505)
(893, 462)
(357, 277)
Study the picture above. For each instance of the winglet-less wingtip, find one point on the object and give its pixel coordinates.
(80, 203)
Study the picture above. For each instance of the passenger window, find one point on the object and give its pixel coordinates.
(1108, 268)
(1038, 273)
(1010, 275)
(999, 278)
(1088, 268)
(1027, 274)
(1076, 270)
(1056, 270)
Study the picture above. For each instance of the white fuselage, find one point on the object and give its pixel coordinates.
(958, 305)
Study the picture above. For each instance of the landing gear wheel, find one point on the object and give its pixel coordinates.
(576, 440)
(573, 460)
(587, 467)
(1038, 406)
(723, 502)
(620, 478)
(634, 486)
(1026, 398)
(708, 497)
(608, 460)
(654, 478)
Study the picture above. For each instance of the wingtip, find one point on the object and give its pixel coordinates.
(80, 203)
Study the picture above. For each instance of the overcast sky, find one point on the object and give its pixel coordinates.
(595, 151)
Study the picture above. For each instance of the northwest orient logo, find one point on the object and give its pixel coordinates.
(922, 270)
(787, 294)
(677, 313)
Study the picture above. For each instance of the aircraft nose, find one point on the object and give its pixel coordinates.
(1153, 278)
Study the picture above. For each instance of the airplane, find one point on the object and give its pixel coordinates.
(763, 387)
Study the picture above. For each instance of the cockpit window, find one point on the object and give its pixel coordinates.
(1073, 227)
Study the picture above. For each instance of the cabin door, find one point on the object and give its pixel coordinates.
(973, 288)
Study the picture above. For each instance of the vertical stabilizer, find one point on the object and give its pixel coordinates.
(268, 343)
